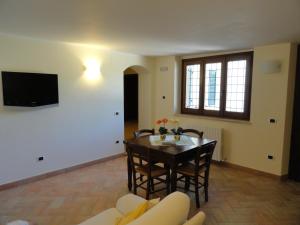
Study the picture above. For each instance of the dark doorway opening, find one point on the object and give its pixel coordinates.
(130, 103)
(294, 166)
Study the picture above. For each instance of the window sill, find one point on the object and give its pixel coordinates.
(246, 122)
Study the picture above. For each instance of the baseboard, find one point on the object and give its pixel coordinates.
(284, 177)
(252, 171)
(72, 168)
(57, 172)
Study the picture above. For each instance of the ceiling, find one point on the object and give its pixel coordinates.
(155, 27)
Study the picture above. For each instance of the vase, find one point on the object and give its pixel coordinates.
(163, 137)
(177, 137)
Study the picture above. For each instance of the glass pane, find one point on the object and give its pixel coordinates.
(236, 81)
(212, 86)
(192, 86)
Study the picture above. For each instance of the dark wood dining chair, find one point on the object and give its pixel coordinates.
(197, 173)
(154, 174)
(143, 132)
(193, 131)
(139, 133)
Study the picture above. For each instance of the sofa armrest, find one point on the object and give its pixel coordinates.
(128, 203)
(198, 219)
(172, 210)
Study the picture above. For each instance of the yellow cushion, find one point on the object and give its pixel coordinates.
(153, 202)
(129, 217)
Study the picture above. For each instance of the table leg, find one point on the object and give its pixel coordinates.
(129, 171)
(173, 176)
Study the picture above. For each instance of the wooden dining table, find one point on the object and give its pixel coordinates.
(171, 155)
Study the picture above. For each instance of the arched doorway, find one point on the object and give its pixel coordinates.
(144, 99)
(131, 102)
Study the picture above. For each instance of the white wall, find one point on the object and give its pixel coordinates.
(244, 143)
(83, 126)
(164, 84)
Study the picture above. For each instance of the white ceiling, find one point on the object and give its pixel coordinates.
(155, 27)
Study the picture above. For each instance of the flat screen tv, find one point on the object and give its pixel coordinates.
(29, 89)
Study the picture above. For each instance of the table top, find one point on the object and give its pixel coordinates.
(144, 141)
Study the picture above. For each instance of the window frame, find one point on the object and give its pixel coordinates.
(224, 59)
(183, 89)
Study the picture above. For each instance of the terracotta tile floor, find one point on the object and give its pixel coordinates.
(235, 197)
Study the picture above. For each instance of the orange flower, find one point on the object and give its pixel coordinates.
(164, 120)
(158, 122)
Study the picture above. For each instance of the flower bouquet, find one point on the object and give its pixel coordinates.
(177, 131)
(162, 129)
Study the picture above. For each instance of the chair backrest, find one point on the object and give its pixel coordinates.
(139, 133)
(204, 156)
(143, 132)
(193, 131)
(136, 154)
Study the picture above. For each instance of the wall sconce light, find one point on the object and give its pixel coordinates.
(272, 66)
(92, 69)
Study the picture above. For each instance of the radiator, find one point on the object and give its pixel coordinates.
(215, 134)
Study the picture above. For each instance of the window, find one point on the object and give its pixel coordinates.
(235, 89)
(218, 86)
(212, 86)
(192, 86)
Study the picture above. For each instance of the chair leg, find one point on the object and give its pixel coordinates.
(206, 192)
(134, 183)
(175, 182)
(197, 192)
(206, 187)
(152, 184)
(187, 183)
(148, 188)
(141, 163)
(168, 180)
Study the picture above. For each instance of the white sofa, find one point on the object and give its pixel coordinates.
(172, 210)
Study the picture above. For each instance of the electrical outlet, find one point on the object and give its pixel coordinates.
(270, 157)
(224, 159)
(117, 113)
(272, 120)
(117, 142)
(41, 158)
